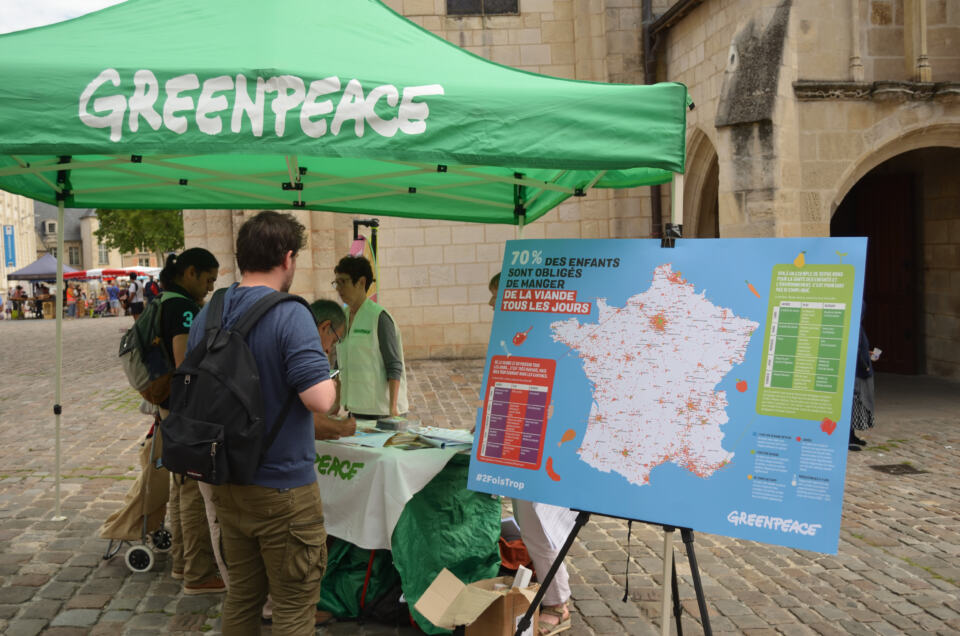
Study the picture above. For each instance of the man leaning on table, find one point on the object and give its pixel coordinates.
(373, 382)
(332, 326)
(273, 537)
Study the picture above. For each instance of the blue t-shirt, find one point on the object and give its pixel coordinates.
(286, 345)
(113, 292)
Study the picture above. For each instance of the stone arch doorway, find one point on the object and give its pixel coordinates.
(701, 187)
(909, 208)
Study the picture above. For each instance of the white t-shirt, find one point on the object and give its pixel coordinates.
(135, 291)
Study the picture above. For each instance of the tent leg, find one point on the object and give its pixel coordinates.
(676, 199)
(520, 227)
(59, 371)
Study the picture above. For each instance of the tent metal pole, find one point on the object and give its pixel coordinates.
(676, 199)
(59, 371)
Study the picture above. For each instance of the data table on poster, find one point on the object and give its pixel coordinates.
(515, 422)
(805, 347)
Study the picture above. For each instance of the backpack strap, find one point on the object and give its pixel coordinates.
(246, 322)
(215, 310)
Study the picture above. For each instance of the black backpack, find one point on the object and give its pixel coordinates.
(216, 431)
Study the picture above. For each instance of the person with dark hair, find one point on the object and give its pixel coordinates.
(272, 531)
(332, 326)
(373, 382)
(135, 296)
(187, 279)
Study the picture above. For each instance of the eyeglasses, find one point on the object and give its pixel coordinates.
(335, 334)
(339, 282)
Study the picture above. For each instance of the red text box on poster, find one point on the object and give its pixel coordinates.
(515, 411)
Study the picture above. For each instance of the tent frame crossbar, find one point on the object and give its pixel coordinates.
(491, 178)
(53, 165)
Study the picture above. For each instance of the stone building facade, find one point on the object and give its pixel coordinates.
(811, 118)
(19, 246)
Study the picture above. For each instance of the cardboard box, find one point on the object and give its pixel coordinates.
(483, 607)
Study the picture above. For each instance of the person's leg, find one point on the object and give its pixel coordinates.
(199, 565)
(542, 552)
(295, 554)
(206, 490)
(243, 512)
(176, 532)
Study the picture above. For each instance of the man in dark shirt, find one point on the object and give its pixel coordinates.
(273, 535)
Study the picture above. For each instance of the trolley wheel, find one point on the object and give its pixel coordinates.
(139, 559)
(162, 540)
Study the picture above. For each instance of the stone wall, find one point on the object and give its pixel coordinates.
(18, 212)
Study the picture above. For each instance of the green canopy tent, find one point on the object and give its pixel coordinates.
(308, 104)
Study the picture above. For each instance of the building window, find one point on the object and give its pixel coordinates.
(73, 255)
(51, 227)
(53, 252)
(143, 261)
(483, 7)
(104, 254)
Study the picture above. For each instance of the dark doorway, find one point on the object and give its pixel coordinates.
(882, 207)
(708, 220)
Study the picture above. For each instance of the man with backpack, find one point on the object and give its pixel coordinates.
(150, 290)
(271, 518)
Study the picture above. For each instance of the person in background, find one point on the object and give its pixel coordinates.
(373, 382)
(113, 298)
(272, 530)
(150, 290)
(554, 613)
(861, 416)
(71, 300)
(332, 326)
(187, 279)
(135, 296)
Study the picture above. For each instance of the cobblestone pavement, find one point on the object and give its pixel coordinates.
(897, 571)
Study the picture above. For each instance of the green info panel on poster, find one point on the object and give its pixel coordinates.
(705, 386)
(805, 341)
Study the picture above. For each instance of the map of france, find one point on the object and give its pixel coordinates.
(654, 365)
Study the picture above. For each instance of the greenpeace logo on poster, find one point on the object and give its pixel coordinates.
(773, 523)
(225, 96)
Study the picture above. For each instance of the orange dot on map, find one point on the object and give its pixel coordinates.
(568, 435)
(554, 476)
(749, 476)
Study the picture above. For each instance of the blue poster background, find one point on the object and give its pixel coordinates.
(724, 502)
(9, 246)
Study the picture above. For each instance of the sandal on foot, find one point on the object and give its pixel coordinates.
(559, 619)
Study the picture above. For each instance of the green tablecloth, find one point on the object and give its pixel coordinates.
(442, 526)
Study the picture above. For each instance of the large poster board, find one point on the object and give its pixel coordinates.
(706, 386)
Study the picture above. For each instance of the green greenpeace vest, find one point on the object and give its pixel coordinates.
(363, 377)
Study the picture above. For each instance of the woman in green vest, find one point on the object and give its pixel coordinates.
(373, 381)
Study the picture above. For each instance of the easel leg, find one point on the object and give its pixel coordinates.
(667, 573)
(582, 518)
(677, 610)
(687, 535)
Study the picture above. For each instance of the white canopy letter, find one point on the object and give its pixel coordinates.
(413, 115)
(116, 104)
(175, 104)
(386, 127)
(351, 106)
(312, 108)
(242, 104)
(145, 92)
(290, 93)
(207, 104)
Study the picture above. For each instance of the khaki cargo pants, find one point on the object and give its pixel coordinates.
(273, 541)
